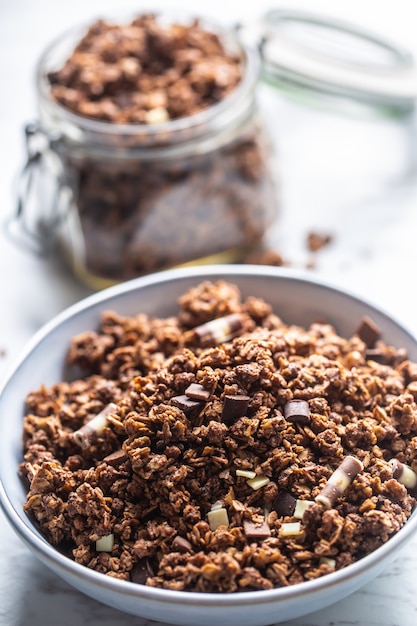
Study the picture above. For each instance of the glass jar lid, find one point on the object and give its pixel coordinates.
(303, 51)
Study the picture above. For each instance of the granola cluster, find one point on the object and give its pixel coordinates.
(145, 71)
(223, 449)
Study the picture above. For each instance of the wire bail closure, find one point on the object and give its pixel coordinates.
(37, 237)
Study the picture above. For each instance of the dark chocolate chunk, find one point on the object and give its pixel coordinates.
(368, 331)
(284, 504)
(234, 407)
(141, 571)
(256, 532)
(297, 411)
(190, 407)
(373, 354)
(180, 544)
(197, 392)
(115, 458)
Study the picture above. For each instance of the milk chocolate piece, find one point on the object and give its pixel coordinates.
(284, 504)
(297, 411)
(197, 392)
(190, 407)
(180, 544)
(368, 331)
(234, 407)
(256, 532)
(115, 458)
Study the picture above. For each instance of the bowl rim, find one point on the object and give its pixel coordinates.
(51, 555)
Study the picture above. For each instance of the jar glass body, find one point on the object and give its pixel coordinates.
(132, 199)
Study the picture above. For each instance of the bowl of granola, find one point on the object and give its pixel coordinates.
(233, 443)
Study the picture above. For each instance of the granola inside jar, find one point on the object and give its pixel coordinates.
(153, 139)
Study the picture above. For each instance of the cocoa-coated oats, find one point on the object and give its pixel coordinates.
(145, 197)
(222, 449)
(145, 71)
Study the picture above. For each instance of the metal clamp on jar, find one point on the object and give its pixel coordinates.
(123, 199)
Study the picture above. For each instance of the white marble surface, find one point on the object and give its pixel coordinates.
(353, 178)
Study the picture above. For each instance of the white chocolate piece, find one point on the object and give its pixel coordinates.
(245, 473)
(324, 560)
(258, 482)
(105, 544)
(217, 517)
(300, 507)
(289, 529)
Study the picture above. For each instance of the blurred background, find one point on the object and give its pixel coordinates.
(351, 175)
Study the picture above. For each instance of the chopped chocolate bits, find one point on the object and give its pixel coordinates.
(285, 504)
(141, 571)
(368, 331)
(234, 407)
(115, 458)
(297, 411)
(256, 531)
(181, 544)
(275, 457)
(197, 392)
(190, 407)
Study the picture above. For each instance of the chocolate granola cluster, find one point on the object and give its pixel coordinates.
(223, 450)
(145, 71)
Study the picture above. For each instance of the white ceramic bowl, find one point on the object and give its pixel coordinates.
(297, 298)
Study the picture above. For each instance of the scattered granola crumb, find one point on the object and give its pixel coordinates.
(265, 257)
(317, 241)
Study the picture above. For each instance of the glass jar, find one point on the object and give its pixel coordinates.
(127, 199)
